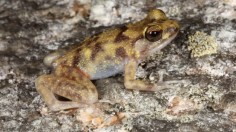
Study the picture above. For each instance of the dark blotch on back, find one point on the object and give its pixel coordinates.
(76, 57)
(93, 39)
(120, 52)
(120, 37)
(97, 48)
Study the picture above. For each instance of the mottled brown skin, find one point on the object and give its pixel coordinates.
(106, 54)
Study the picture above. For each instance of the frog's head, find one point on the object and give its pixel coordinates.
(158, 32)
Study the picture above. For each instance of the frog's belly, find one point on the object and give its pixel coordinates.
(100, 71)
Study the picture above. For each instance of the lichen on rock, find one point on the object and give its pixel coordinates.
(201, 44)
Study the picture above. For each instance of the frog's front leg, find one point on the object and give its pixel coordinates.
(132, 83)
(67, 82)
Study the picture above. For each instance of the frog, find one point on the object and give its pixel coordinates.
(118, 50)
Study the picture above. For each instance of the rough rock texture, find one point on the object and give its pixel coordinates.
(203, 97)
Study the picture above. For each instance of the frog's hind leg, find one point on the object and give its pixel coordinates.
(72, 85)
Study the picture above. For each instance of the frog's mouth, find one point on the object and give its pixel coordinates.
(158, 45)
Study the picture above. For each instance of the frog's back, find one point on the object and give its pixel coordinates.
(102, 55)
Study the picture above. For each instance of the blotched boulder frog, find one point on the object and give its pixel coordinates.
(103, 55)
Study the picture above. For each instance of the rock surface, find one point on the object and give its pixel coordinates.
(204, 97)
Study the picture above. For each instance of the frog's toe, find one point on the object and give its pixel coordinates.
(172, 84)
(63, 105)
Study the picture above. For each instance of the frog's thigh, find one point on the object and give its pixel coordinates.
(132, 83)
(48, 85)
(75, 85)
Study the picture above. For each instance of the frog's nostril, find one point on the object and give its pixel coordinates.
(172, 30)
(174, 23)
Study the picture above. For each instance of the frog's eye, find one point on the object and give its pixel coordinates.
(153, 34)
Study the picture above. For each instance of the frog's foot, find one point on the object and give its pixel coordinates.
(169, 84)
(132, 83)
(147, 86)
(81, 93)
